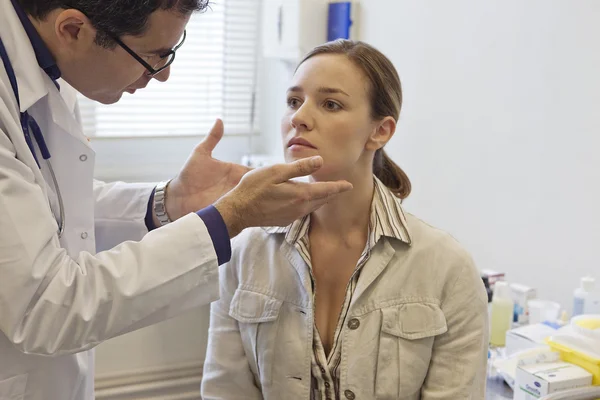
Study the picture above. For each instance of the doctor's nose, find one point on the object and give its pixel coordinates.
(163, 75)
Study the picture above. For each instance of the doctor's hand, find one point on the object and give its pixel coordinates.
(203, 179)
(267, 196)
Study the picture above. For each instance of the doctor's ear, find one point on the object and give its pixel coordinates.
(383, 132)
(74, 30)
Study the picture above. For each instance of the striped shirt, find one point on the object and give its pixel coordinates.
(387, 219)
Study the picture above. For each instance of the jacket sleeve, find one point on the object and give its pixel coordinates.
(459, 358)
(227, 374)
(52, 303)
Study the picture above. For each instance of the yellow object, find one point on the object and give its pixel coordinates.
(589, 323)
(502, 314)
(586, 362)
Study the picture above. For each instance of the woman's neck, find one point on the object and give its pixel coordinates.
(349, 213)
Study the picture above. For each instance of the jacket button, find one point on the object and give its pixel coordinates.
(83, 157)
(353, 323)
(84, 235)
(349, 395)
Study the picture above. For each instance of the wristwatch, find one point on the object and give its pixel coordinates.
(160, 197)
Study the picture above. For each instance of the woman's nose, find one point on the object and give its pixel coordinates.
(302, 118)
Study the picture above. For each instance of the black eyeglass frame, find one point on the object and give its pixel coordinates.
(149, 68)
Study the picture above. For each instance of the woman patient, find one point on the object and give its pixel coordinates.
(359, 300)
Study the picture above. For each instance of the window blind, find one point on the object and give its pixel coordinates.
(213, 75)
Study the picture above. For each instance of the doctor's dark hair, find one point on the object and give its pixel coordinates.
(385, 95)
(117, 17)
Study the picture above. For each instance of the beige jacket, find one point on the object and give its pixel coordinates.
(417, 324)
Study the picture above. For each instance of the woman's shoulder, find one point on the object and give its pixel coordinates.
(434, 241)
(256, 242)
(443, 259)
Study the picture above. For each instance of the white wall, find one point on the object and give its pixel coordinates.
(500, 128)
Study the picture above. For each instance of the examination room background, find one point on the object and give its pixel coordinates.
(499, 133)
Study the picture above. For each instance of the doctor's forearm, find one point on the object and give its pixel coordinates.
(110, 292)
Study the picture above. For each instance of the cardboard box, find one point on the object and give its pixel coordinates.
(538, 380)
(493, 276)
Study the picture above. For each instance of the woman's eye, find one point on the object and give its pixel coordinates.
(293, 102)
(332, 106)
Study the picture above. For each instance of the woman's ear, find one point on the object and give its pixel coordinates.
(383, 132)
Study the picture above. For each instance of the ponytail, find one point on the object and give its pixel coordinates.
(391, 175)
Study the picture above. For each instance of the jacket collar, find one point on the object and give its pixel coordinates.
(33, 81)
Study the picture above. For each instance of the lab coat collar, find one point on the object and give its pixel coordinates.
(42, 53)
(33, 82)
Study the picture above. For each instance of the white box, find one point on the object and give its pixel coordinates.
(538, 380)
(527, 337)
(291, 28)
(520, 295)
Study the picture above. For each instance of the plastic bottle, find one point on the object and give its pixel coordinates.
(592, 303)
(582, 294)
(502, 314)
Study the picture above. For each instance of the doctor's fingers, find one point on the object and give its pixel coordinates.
(212, 139)
(315, 192)
(296, 169)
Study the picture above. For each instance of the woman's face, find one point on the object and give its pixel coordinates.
(329, 114)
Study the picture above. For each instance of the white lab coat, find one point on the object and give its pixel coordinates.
(58, 297)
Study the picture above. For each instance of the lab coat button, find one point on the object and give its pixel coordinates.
(350, 395)
(84, 235)
(353, 323)
(83, 157)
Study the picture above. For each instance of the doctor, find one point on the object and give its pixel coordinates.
(59, 297)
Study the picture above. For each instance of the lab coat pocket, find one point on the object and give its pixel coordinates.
(13, 388)
(405, 345)
(257, 315)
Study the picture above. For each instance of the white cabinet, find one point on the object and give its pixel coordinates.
(291, 28)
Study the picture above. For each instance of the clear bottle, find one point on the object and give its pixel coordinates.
(582, 295)
(502, 314)
(592, 303)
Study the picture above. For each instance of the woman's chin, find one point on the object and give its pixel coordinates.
(291, 156)
(326, 173)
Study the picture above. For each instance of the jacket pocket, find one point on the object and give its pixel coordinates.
(13, 388)
(405, 345)
(257, 315)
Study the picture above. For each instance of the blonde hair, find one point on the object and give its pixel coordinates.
(385, 97)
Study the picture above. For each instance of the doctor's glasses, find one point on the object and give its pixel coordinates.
(163, 62)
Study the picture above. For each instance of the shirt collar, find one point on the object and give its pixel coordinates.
(42, 53)
(387, 219)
